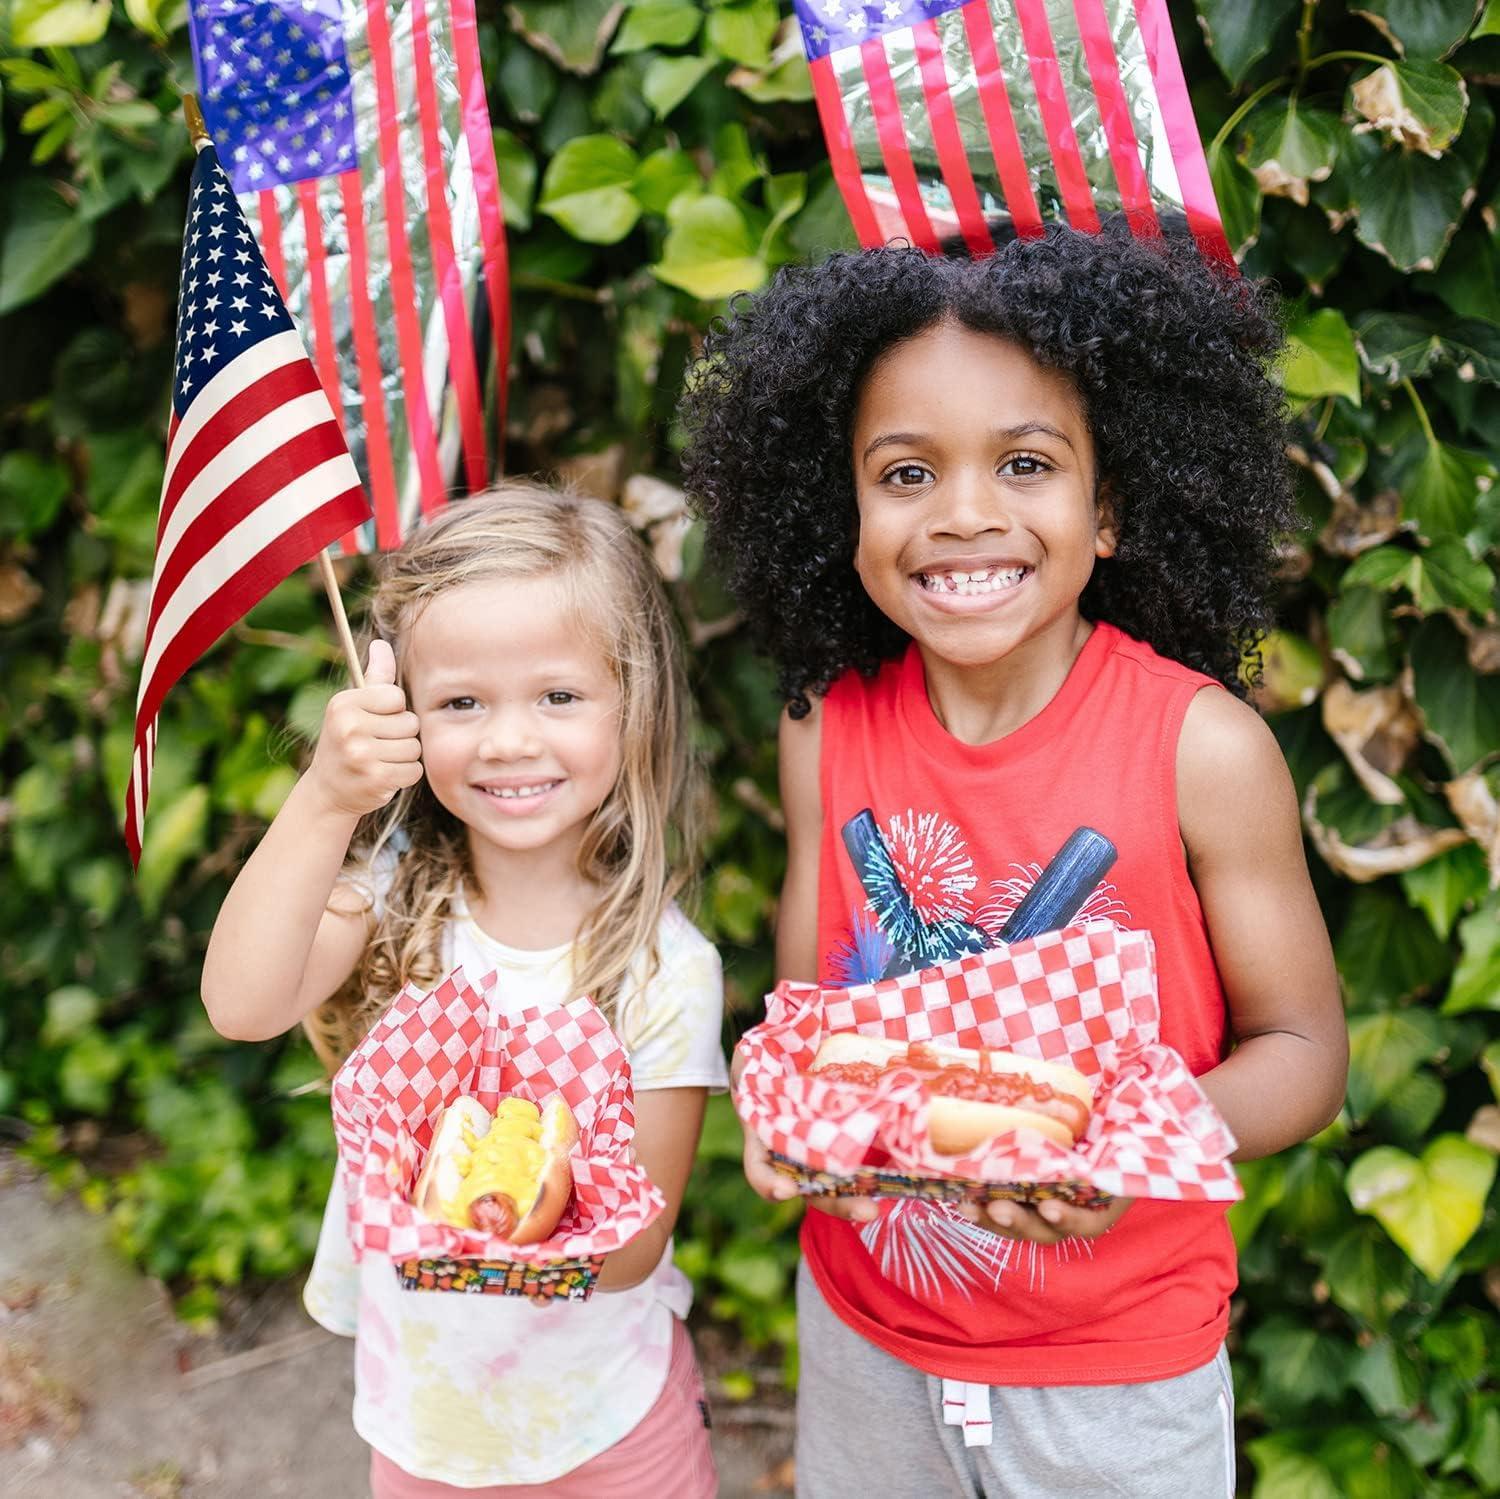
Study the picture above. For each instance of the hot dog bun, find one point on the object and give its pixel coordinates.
(1025, 1092)
(509, 1175)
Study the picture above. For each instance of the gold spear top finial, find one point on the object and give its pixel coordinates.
(197, 130)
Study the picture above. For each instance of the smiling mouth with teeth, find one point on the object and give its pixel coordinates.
(511, 793)
(989, 580)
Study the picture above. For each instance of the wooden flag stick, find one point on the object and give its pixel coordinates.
(340, 619)
(198, 133)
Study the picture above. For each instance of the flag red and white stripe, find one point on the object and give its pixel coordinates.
(946, 119)
(357, 134)
(258, 477)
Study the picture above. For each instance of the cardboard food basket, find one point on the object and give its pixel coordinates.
(428, 1049)
(1085, 996)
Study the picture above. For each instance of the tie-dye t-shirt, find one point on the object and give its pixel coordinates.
(481, 1390)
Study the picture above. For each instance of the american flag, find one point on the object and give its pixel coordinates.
(946, 117)
(258, 477)
(357, 135)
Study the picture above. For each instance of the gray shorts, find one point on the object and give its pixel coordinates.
(872, 1427)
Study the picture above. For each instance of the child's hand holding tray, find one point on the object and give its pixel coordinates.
(1085, 996)
(430, 1048)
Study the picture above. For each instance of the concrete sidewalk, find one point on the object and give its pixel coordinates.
(104, 1395)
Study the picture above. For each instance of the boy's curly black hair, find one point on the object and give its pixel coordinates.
(1169, 355)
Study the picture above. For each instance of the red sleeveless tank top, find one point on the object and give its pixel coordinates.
(968, 828)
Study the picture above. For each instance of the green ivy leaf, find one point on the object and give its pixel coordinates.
(517, 167)
(1458, 1343)
(1420, 105)
(1472, 347)
(1287, 146)
(663, 177)
(1384, 1372)
(41, 240)
(1292, 672)
(1397, 346)
(146, 15)
(88, 1072)
(1440, 486)
(1481, 1450)
(58, 23)
(669, 80)
(573, 33)
(32, 491)
(1420, 28)
(1406, 205)
(657, 23)
(709, 252)
(1284, 1472)
(1321, 357)
(1368, 1276)
(1360, 634)
(752, 1270)
(1241, 32)
(1444, 576)
(1476, 979)
(1369, 1470)
(1489, 1060)
(743, 31)
(586, 188)
(71, 1011)
(1386, 952)
(1299, 1365)
(1460, 709)
(1429, 1206)
(1466, 282)
(528, 84)
(1443, 887)
(788, 82)
(1384, 1050)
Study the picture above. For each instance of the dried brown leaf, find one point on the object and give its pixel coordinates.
(1404, 844)
(1377, 730)
(1474, 805)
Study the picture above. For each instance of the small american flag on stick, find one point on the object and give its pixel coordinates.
(259, 478)
(946, 117)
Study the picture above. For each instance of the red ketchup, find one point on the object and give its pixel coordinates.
(957, 1080)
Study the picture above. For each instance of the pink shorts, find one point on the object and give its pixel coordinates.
(667, 1453)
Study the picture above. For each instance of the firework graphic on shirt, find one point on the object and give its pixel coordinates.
(918, 878)
(928, 1247)
(1006, 895)
(862, 955)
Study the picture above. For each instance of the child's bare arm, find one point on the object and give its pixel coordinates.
(668, 1122)
(797, 927)
(1285, 1079)
(799, 750)
(277, 949)
(1238, 813)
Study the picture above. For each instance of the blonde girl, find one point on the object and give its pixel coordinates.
(513, 789)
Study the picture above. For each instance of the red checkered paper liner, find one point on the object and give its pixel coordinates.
(1085, 996)
(431, 1047)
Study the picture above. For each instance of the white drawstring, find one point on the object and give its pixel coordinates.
(968, 1405)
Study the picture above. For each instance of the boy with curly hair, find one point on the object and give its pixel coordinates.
(1008, 529)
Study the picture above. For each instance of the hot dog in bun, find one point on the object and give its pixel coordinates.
(508, 1175)
(973, 1095)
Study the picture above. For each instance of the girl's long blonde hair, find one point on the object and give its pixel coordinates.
(639, 847)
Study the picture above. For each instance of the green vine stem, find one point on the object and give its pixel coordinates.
(1423, 419)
